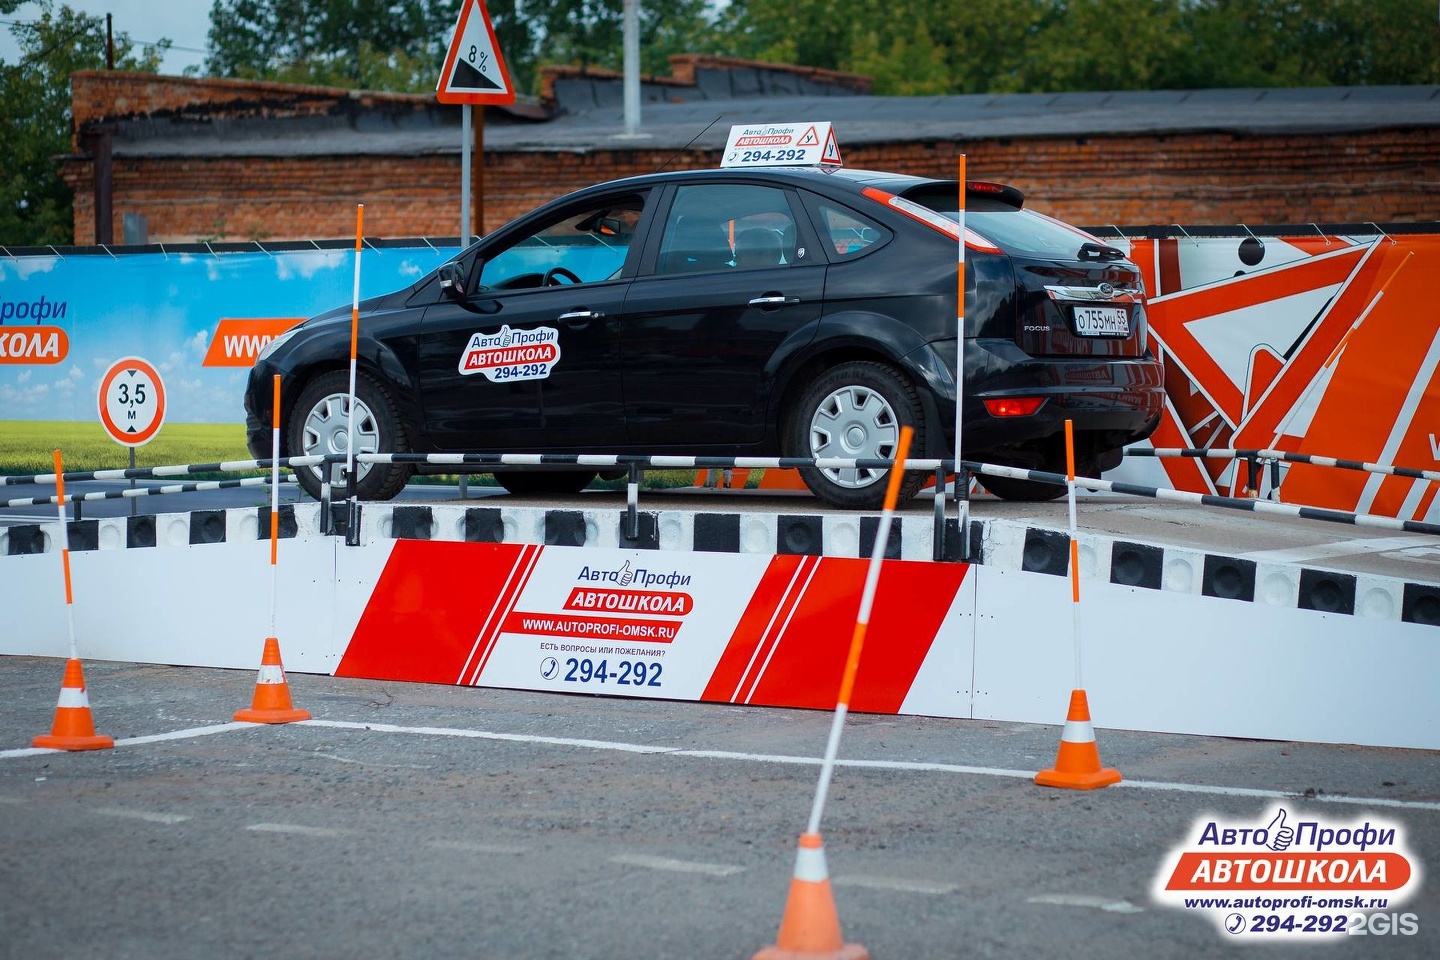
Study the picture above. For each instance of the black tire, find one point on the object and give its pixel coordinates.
(544, 482)
(318, 425)
(855, 409)
(1026, 491)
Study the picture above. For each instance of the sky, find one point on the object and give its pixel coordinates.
(184, 22)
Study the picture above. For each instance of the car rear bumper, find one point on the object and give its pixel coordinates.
(1111, 401)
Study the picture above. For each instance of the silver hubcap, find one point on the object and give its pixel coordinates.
(327, 428)
(854, 422)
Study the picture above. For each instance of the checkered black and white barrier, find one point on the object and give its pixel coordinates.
(997, 543)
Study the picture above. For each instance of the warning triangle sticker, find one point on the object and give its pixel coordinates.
(831, 153)
(474, 70)
(811, 139)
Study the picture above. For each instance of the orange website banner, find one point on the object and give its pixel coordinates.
(37, 344)
(237, 342)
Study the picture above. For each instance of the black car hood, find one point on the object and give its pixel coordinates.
(381, 304)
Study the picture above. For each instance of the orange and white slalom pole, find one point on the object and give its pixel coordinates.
(271, 703)
(962, 496)
(351, 534)
(74, 727)
(1077, 767)
(811, 925)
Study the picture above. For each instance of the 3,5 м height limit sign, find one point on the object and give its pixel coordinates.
(132, 401)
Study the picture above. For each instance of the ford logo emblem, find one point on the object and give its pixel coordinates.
(1107, 290)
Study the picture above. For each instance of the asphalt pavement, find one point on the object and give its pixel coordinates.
(411, 820)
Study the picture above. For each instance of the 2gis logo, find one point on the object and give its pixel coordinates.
(1284, 875)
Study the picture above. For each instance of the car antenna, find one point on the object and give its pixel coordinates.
(687, 146)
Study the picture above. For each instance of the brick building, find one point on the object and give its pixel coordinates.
(240, 160)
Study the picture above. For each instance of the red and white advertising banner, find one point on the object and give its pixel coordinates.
(944, 640)
(728, 628)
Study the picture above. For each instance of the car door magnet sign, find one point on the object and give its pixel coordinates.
(512, 354)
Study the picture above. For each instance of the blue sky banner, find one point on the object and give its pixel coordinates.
(200, 318)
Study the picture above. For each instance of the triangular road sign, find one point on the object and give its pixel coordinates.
(474, 70)
(831, 154)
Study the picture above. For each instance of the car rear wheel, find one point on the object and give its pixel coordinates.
(544, 481)
(855, 411)
(319, 425)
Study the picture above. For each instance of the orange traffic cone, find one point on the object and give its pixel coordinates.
(272, 693)
(1078, 765)
(74, 727)
(810, 929)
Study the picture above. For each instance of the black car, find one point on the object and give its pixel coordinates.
(772, 312)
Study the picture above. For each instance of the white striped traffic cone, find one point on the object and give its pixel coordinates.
(74, 727)
(810, 929)
(1077, 767)
(272, 693)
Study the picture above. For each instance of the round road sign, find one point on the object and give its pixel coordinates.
(132, 401)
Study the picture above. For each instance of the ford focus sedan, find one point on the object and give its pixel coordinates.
(758, 312)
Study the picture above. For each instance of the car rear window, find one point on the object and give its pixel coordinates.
(1020, 232)
(1026, 233)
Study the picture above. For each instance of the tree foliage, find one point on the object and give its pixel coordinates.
(980, 46)
(36, 208)
(401, 44)
(907, 46)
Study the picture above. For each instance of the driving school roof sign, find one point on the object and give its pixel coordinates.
(781, 145)
(474, 70)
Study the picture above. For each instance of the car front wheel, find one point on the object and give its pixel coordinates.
(855, 411)
(320, 424)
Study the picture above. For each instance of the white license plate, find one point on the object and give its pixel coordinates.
(1102, 321)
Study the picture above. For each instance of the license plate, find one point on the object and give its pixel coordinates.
(1102, 321)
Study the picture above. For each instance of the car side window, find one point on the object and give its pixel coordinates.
(584, 246)
(848, 233)
(729, 226)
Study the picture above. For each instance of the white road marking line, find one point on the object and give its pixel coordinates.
(296, 829)
(678, 866)
(1325, 551)
(487, 735)
(912, 766)
(1080, 900)
(135, 741)
(145, 815)
(465, 846)
(898, 884)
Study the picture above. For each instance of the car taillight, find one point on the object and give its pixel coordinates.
(931, 219)
(1014, 406)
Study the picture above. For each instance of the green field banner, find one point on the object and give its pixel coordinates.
(199, 315)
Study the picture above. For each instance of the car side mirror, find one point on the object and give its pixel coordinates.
(452, 281)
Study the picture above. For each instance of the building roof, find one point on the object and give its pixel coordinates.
(697, 107)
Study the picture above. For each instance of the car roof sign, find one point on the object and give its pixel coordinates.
(805, 144)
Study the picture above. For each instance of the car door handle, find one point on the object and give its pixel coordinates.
(773, 300)
(575, 315)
